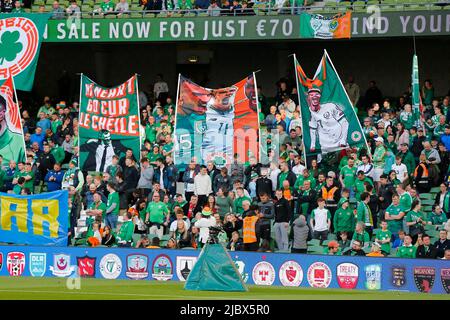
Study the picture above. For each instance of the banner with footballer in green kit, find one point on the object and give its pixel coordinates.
(329, 121)
(216, 124)
(109, 123)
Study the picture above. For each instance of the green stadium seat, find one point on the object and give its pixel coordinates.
(135, 15)
(426, 196)
(331, 236)
(189, 15)
(165, 237)
(89, 2)
(150, 15)
(176, 15)
(48, 8)
(435, 190)
(85, 15)
(39, 2)
(123, 16)
(162, 15)
(313, 242)
(110, 16)
(136, 238)
(393, 252)
(188, 248)
(427, 202)
(86, 8)
(27, 10)
(203, 14)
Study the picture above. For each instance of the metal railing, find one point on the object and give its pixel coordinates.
(257, 9)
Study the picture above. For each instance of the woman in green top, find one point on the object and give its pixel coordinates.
(224, 203)
(415, 220)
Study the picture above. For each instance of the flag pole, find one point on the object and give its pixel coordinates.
(139, 114)
(299, 101)
(79, 113)
(20, 116)
(176, 144)
(257, 115)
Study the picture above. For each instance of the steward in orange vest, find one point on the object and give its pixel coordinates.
(251, 242)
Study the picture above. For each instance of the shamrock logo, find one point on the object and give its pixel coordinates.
(9, 46)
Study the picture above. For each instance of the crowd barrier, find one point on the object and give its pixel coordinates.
(264, 269)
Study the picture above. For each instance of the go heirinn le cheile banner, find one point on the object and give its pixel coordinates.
(109, 123)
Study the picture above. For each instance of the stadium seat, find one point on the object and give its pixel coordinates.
(135, 15)
(39, 3)
(393, 252)
(48, 8)
(165, 237)
(86, 8)
(435, 190)
(188, 248)
(313, 242)
(427, 202)
(426, 196)
(136, 238)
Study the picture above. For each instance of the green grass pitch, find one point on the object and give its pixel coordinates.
(17, 288)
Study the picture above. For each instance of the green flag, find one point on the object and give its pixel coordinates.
(329, 121)
(416, 100)
(20, 41)
(108, 123)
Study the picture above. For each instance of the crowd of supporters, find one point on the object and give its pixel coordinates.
(105, 7)
(389, 200)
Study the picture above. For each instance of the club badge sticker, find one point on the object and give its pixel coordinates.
(445, 279)
(347, 275)
(290, 274)
(110, 266)
(424, 278)
(263, 274)
(319, 275)
(398, 276)
(373, 276)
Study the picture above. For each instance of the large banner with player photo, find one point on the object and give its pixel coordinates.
(108, 123)
(216, 124)
(329, 121)
(12, 143)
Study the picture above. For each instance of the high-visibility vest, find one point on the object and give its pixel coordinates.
(328, 195)
(425, 171)
(249, 229)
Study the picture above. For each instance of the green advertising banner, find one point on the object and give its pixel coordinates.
(108, 123)
(378, 23)
(20, 41)
(329, 121)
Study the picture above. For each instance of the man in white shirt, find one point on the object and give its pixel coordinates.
(320, 221)
(202, 185)
(400, 169)
(366, 167)
(160, 89)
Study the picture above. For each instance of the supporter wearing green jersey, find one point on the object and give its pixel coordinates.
(125, 236)
(394, 216)
(112, 206)
(384, 237)
(348, 175)
(344, 219)
(407, 250)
